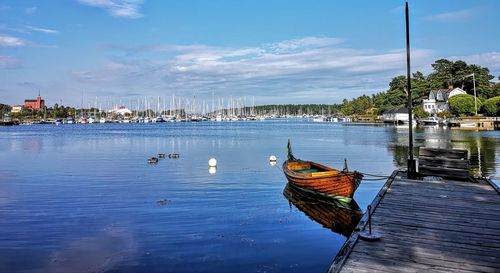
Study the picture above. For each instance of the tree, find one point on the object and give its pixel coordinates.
(491, 106)
(457, 74)
(496, 89)
(442, 76)
(358, 106)
(4, 109)
(463, 104)
(420, 112)
(420, 87)
(347, 108)
(396, 95)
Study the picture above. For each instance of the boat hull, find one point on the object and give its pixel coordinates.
(329, 182)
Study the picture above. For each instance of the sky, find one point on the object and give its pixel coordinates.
(267, 51)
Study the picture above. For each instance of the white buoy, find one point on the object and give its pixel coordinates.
(272, 158)
(212, 162)
(272, 163)
(212, 170)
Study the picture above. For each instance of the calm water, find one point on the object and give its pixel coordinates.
(81, 198)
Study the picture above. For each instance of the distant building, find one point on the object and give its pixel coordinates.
(121, 111)
(396, 115)
(35, 104)
(16, 108)
(438, 99)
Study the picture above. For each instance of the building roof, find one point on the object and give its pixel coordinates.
(444, 94)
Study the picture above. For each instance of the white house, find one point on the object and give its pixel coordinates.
(396, 115)
(438, 100)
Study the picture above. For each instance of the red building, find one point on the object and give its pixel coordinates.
(35, 104)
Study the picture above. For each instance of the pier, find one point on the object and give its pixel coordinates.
(432, 225)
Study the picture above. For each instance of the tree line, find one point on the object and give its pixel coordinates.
(445, 74)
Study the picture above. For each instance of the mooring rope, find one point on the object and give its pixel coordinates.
(375, 175)
(373, 179)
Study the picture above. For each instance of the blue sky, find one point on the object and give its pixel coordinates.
(274, 51)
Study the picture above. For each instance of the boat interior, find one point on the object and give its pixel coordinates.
(307, 167)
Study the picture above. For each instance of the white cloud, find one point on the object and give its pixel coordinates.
(451, 16)
(314, 68)
(488, 59)
(117, 8)
(10, 41)
(28, 29)
(9, 62)
(31, 10)
(43, 30)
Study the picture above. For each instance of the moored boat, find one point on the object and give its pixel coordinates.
(430, 121)
(320, 179)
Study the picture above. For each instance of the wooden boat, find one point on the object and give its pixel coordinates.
(320, 179)
(340, 217)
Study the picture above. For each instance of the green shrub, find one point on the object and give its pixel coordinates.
(463, 104)
(420, 112)
(445, 114)
(491, 107)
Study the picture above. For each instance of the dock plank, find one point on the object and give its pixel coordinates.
(428, 226)
(441, 219)
(418, 194)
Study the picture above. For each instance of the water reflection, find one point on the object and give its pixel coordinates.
(59, 186)
(482, 151)
(93, 254)
(340, 217)
(482, 147)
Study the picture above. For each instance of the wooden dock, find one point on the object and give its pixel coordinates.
(428, 226)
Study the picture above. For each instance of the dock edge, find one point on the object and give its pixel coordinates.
(346, 249)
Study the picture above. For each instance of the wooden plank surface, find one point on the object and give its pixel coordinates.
(445, 162)
(444, 172)
(429, 226)
(448, 153)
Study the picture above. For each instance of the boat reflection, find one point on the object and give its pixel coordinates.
(338, 216)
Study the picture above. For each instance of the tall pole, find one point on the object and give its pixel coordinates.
(475, 97)
(411, 161)
(474, 86)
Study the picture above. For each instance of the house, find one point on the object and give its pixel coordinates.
(396, 115)
(16, 109)
(37, 104)
(438, 99)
